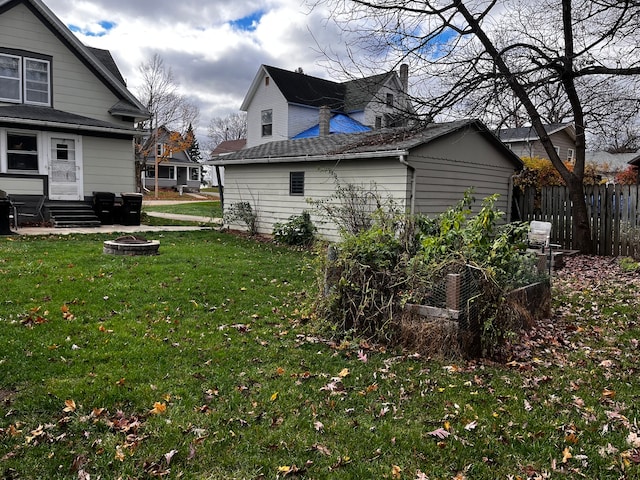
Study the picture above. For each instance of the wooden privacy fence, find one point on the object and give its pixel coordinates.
(613, 211)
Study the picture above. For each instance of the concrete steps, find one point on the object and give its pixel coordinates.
(71, 214)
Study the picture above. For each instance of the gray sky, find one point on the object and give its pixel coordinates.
(214, 48)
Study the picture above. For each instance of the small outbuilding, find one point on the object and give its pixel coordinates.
(426, 170)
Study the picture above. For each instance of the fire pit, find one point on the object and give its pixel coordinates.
(131, 245)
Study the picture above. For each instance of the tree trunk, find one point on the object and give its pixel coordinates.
(581, 238)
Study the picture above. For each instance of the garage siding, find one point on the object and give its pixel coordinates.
(266, 188)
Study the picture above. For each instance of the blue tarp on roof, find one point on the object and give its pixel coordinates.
(339, 123)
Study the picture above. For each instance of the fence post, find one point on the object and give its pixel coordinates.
(454, 289)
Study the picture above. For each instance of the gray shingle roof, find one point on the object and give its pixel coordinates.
(528, 133)
(16, 114)
(387, 141)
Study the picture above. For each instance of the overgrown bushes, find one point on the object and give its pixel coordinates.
(400, 258)
(298, 230)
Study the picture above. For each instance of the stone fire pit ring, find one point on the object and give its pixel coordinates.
(131, 245)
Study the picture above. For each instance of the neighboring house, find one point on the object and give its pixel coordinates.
(426, 171)
(66, 116)
(608, 165)
(281, 104)
(216, 176)
(525, 142)
(176, 169)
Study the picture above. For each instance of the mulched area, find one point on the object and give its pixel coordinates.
(584, 288)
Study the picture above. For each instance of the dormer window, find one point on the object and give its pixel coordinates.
(390, 100)
(24, 79)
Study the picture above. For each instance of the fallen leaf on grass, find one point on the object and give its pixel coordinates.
(634, 440)
(158, 408)
(471, 426)
(566, 455)
(343, 373)
(119, 455)
(169, 455)
(440, 433)
(395, 471)
(606, 393)
(321, 449)
(70, 406)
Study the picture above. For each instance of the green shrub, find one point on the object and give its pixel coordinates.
(298, 230)
(244, 213)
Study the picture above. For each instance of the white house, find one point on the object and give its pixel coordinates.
(281, 104)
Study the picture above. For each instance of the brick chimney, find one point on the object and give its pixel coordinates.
(325, 118)
(404, 77)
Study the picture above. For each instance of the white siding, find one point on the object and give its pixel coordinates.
(446, 168)
(302, 118)
(76, 89)
(266, 187)
(21, 186)
(267, 97)
(377, 107)
(108, 165)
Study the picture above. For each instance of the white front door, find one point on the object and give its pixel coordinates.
(65, 167)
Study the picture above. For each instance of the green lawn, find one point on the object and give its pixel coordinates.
(203, 209)
(202, 363)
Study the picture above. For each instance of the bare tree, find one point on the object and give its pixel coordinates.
(159, 92)
(231, 127)
(522, 46)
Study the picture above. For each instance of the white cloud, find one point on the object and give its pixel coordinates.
(213, 61)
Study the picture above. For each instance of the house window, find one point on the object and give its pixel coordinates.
(159, 149)
(24, 79)
(163, 172)
(267, 123)
(296, 183)
(266, 81)
(570, 154)
(10, 70)
(390, 100)
(195, 173)
(378, 122)
(36, 83)
(22, 151)
(557, 149)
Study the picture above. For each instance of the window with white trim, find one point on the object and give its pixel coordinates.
(10, 73)
(571, 153)
(22, 151)
(267, 122)
(195, 173)
(25, 79)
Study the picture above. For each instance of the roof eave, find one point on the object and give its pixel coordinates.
(69, 126)
(310, 158)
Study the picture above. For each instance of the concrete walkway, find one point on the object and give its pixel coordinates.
(210, 221)
(109, 229)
